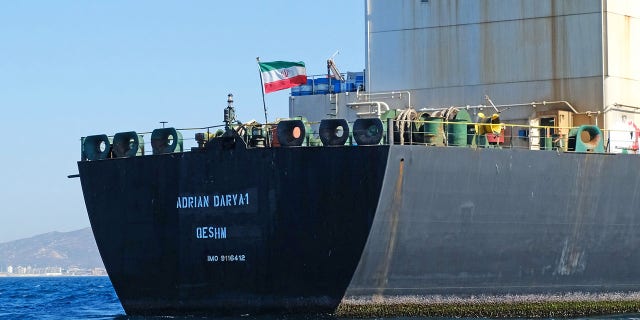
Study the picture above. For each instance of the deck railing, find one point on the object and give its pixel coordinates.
(427, 133)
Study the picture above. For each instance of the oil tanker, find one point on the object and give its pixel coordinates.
(383, 201)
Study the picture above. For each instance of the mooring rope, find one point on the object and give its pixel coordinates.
(405, 117)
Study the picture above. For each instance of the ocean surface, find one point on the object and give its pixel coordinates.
(50, 298)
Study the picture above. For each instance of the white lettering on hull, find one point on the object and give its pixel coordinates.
(227, 258)
(192, 202)
(211, 232)
(214, 201)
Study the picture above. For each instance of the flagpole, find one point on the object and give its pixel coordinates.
(264, 104)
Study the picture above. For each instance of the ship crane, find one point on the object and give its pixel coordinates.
(333, 69)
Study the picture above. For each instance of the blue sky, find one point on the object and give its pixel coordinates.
(75, 68)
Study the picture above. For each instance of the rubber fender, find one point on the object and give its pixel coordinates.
(367, 132)
(166, 140)
(334, 132)
(291, 133)
(96, 147)
(127, 144)
(586, 138)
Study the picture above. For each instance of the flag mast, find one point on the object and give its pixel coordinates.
(264, 104)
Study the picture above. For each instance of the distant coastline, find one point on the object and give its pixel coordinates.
(53, 254)
(11, 275)
(52, 272)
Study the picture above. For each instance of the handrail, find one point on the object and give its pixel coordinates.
(532, 137)
(415, 132)
(532, 104)
(379, 104)
(616, 107)
(391, 93)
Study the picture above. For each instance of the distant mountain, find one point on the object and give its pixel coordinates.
(54, 249)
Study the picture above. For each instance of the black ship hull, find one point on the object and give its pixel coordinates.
(233, 231)
(237, 231)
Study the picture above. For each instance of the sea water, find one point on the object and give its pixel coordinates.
(53, 298)
(58, 298)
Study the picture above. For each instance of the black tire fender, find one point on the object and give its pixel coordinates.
(367, 131)
(291, 133)
(329, 129)
(166, 140)
(126, 144)
(92, 147)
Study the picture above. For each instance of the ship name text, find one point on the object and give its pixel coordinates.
(213, 201)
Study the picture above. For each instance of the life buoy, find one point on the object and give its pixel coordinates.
(127, 144)
(166, 140)
(291, 133)
(334, 132)
(96, 147)
(367, 131)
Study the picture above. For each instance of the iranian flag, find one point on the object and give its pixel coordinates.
(278, 75)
